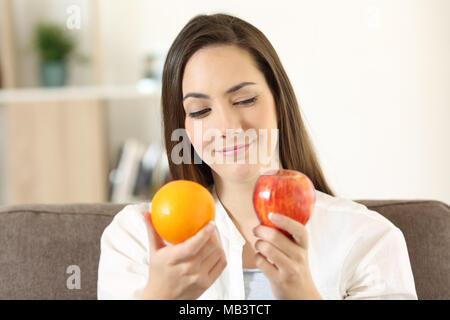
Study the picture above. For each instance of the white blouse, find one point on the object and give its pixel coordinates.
(354, 253)
(257, 285)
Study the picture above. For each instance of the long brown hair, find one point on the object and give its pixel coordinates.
(295, 147)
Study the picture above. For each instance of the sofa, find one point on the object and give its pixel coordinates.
(44, 246)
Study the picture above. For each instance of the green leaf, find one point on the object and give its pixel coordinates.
(53, 42)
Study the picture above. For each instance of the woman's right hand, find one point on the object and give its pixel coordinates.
(184, 270)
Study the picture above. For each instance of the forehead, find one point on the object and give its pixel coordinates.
(217, 67)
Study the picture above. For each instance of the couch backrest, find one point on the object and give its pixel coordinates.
(426, 227)
(39, 243)
(43, 247)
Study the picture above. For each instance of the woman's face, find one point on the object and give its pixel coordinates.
(230, 113)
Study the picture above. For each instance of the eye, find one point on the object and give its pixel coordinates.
(248, 101)
(199, 113)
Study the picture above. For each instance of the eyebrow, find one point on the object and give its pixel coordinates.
(204, 96)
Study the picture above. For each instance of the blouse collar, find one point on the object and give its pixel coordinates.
(224, 222)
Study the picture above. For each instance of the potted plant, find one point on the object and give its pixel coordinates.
(54, 46)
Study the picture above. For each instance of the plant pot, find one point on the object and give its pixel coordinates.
(53, 73)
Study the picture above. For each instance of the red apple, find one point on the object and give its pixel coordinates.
(286, 192)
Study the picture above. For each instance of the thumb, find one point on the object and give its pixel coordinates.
(155, 241)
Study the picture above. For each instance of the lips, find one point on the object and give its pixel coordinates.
(234, 149)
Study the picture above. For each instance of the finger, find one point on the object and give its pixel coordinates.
(210, 247)
(265, 266)
(154, 240)
(211, 261)
(217, 268)
(189, 248)
(288, 246)
(274, 256)
(295, 228)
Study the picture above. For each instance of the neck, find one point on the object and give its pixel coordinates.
(237, 199)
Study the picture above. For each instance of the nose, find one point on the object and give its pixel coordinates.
(228, 122)
(228, 126)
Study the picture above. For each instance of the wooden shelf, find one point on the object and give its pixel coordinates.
(56, 152)
(142, 89)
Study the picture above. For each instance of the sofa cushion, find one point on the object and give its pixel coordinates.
(40, 242)
(426, 227)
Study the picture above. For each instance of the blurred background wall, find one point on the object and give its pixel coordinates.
(372, 79)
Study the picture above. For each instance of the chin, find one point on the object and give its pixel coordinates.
(237, 172)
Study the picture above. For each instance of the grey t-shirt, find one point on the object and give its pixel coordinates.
(257, 286)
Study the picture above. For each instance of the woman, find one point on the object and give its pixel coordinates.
(221, 74)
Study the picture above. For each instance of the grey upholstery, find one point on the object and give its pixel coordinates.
(40, 242)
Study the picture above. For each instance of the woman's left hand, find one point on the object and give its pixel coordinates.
(284, 260)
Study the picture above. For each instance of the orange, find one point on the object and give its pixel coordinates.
(180, 209)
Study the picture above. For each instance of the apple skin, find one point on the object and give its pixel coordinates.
(286, 192)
